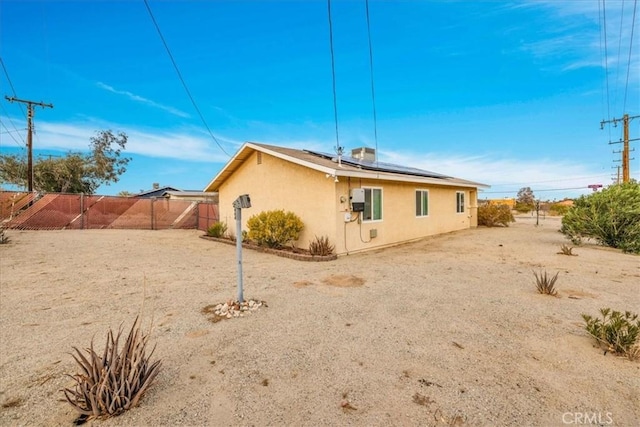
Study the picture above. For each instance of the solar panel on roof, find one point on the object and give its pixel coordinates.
(379, 166)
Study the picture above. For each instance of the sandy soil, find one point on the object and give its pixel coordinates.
(445, 331)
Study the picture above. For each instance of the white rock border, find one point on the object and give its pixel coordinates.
(233, 309)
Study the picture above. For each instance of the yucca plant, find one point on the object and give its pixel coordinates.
(546, 284)
(115, 382)
(321, 246)
(617, 332)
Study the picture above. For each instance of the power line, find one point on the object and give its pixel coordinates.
(10, 133)
(12, 124)
(606, 58)
(551, 180)
(373, 94)
(13, 89)
(184, 84)
(339, 149)
(615, 96)
(626, 87)
(538, 191)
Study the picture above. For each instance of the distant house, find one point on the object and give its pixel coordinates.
(358, 202)
(157, 191)
(173, 193)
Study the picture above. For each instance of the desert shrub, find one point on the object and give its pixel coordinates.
(493, 215)
(321, 246)
(524, 207)
(219, 229)
(274, 229)
(566, 250)
(546, 284)
(611, 217)
(615, 331)
(558, 209)
(114, 382)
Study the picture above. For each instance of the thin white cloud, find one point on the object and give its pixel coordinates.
(575, 35)
(505, 175)
(187, 144)
(143, 100)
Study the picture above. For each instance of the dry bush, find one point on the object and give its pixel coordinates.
(115, 382)
(566, 250)
(321, 246)
(495, 215)
(546, 284)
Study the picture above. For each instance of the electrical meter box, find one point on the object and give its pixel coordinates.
(357, 199)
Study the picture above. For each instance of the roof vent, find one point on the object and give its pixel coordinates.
(364, 153)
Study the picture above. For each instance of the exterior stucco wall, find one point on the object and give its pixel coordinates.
(399, 221)
(276, 184)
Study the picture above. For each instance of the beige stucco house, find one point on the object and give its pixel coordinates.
(358, 202)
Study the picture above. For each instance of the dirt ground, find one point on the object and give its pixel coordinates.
(448, 330)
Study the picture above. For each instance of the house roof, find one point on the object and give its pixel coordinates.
(190, 193)
(328, 164)
(156, 192)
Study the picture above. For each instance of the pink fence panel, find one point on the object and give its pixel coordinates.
(51, 212)
(207, 215)
(11, 203)
(54, 211)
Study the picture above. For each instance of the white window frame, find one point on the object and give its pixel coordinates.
(364, 213)
(423, 193)
(460, 204)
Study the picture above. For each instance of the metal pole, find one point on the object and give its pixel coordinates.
(81, 211)
(238, 215)
(30, 148)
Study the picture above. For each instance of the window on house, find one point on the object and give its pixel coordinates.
(422, 202)
(372, 204)
(459, 201)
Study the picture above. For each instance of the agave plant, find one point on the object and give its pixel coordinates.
(321, 246)
(546, 284)
(115, 382)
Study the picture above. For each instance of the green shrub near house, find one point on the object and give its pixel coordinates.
(610, 216)
(274, 229)
(495, 215)
(219, 229)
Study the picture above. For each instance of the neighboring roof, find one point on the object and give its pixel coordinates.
(156, 192)
(348, 167)
(190, 193)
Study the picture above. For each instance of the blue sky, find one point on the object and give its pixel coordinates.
(506, 93)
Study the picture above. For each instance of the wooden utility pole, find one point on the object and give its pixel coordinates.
(30, 105)
(625, 141)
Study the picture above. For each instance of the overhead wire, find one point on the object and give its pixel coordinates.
(184, 84)
(13, 91)
(373, 93)
(23, 145)
(339, 149)
(606, 57)
(615, 94)
(626, 87)
(10, 133)
(538, 190)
